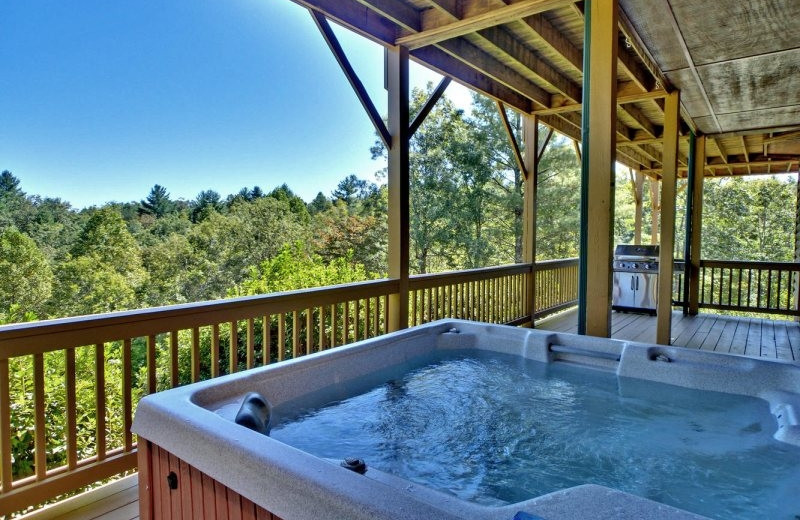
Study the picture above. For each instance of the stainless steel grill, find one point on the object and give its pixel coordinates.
(635, 275)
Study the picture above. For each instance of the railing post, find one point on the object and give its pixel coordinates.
(398, 180)
(598, 131)
(796, 276)
(669, 177)
(693, 262)
(531, 159)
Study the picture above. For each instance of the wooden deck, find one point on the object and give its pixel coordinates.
(756, 337)
(748, 336)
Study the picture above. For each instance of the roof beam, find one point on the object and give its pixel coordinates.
(437, 33)
(531, 61)
(783, 137)
(621, 100)
(725, 166)
(722, 153)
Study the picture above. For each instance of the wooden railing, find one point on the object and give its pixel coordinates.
(762, 287)
(69, 387)
(556, 286)
(492, 295)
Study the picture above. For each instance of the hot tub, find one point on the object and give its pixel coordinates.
(195, 460)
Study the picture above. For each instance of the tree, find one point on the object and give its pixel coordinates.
(157, 202)
(319, 204)
(9, 184)
(25, 277)
(206, 202)
(296, 204)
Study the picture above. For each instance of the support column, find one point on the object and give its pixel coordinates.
(638, 192)
(693, 263)
(669, 178)
(398, 181)
(530, 134)
(797, 248)
(598, 122)
(655, 211)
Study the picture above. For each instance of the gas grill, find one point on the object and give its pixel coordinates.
(635, 270)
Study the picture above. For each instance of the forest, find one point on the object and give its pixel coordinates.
(466, 212)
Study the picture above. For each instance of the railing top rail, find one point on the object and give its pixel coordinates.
(424, 281)
(558, 262)
(43, 336)
(751, 264)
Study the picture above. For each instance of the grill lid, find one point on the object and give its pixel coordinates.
(634, 251)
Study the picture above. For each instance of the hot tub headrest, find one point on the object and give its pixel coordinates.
(255, 413)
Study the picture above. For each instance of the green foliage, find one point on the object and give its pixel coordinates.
(25, 276)
(294, 267)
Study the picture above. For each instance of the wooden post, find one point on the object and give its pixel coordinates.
(638, 189)
(398, 181)
(797, 249)
(598, 131)
(531, 160)
(655, 208)
(669, 177)
(693, 264)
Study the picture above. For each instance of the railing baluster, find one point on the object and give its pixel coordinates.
(215, 350)
(356, 320)
(376, 316)
(334, 324)
(72, 408)
(730, 285)
(322, 334)
(266, 339)
(100, 399)
(758, 301)
(414, 319)
(251, 343)
(281, 336)
(295, 334)
(346, 328)
(233, 348)
(366, 317)
(173, 358)
(151, 364)
(5, 428)
(309, 330)
(769, 288)
(127, 399)
(778, 291)
(195, 354)
(386, 313)
(40, 437)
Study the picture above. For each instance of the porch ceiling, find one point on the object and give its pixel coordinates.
(734, 64)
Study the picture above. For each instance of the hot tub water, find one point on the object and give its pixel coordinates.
(497, 429)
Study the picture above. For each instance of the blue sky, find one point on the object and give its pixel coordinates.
(100, 100)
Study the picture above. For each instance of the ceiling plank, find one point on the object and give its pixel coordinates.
(436, 34)
(521, 54)
(637, 115)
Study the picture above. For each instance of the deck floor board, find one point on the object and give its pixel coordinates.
(756, 337)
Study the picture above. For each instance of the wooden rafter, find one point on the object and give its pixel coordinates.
(437, 33)
(783, 137)
(723, 153)
(621, 100)
(746, 154)
(352, 77)
(530, 61)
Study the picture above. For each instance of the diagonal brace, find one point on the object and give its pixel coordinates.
(544, 145)
(352, 77)
(426, 109)
(513, 140)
